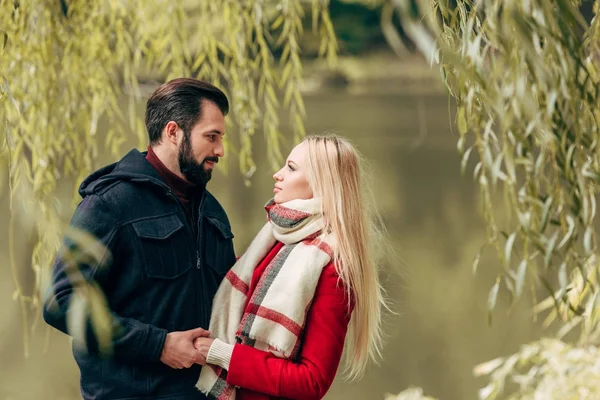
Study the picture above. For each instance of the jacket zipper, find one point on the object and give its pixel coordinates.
(198, 281)
(204, 321)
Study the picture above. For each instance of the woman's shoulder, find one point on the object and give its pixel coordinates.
(330, 272)
(332, 287)
(331, 280)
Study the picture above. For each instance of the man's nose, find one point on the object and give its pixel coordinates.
(219, 149)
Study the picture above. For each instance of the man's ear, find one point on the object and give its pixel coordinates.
(171, 132)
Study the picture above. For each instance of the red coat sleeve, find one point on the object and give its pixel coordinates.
(311, 375)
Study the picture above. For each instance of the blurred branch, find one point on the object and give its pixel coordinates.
(548, 369)
(412, 393)
(389, 30)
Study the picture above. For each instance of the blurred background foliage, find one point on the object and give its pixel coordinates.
(522, 81)
(525, 75)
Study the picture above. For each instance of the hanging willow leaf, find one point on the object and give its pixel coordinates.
(476, 260)
(562, 277)
(461, 121)
(546, 213)
(508, 248)
(3, 40)
(76, 320)
(520, 278)
(570, 231)
(70, 86)
(529, 68)
(568, 327)
(587, 240)
(549, 251)
(465, 160)
(493, 296)
(101, 319)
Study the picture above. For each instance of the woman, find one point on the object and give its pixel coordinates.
(281, 315)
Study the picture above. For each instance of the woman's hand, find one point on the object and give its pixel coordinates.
(202, 345)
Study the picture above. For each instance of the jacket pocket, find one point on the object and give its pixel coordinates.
(163, 240)
(219, 252)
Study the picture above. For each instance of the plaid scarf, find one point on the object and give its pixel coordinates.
(274, 317)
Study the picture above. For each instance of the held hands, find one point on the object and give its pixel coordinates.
(179, 349)
(202, 345)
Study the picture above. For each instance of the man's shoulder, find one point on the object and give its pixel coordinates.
(128, 201)
(123, 192)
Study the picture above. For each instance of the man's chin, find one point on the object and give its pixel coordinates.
(209, 165)
(198, 180)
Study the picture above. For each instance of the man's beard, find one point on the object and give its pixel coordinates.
(193, 171)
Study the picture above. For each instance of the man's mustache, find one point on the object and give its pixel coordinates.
(211, 159)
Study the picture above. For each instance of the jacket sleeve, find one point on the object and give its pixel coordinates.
(311, 375)
(83, 263)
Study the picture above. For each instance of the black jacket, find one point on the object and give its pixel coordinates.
(156, 273)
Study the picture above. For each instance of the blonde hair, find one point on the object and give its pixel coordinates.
(335, 176)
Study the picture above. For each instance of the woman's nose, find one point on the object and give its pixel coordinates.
(276, 176)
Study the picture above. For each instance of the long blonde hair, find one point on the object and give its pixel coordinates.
(335, 176)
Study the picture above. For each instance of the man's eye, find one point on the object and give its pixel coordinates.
(212, 138)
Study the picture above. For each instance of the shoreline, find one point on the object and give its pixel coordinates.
(375, 73)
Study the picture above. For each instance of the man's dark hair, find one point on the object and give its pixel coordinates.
(180, 100)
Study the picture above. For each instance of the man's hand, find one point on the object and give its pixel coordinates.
(202, 345)
(179, 352)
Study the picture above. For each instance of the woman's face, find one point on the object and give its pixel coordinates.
(291, 181)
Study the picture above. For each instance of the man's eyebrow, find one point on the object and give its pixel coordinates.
(218, 132)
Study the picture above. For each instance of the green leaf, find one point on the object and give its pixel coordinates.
(77, 319)
(460, 145)
(278, 21)
(546, 213)
(493, 296)
(101, 320)
(520, 278)
(497, 172)
(4, 40)
(587, 240)
(592, 175)
(550, 249)
(508, 248)
(569, 234)
(476, 262)
(562, 277)
(465, 160)
(461, 121)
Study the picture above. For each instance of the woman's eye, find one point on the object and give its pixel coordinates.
(291, 168)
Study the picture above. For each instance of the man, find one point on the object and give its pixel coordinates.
(168, 245)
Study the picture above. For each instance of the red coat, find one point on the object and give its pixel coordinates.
(262, 376)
